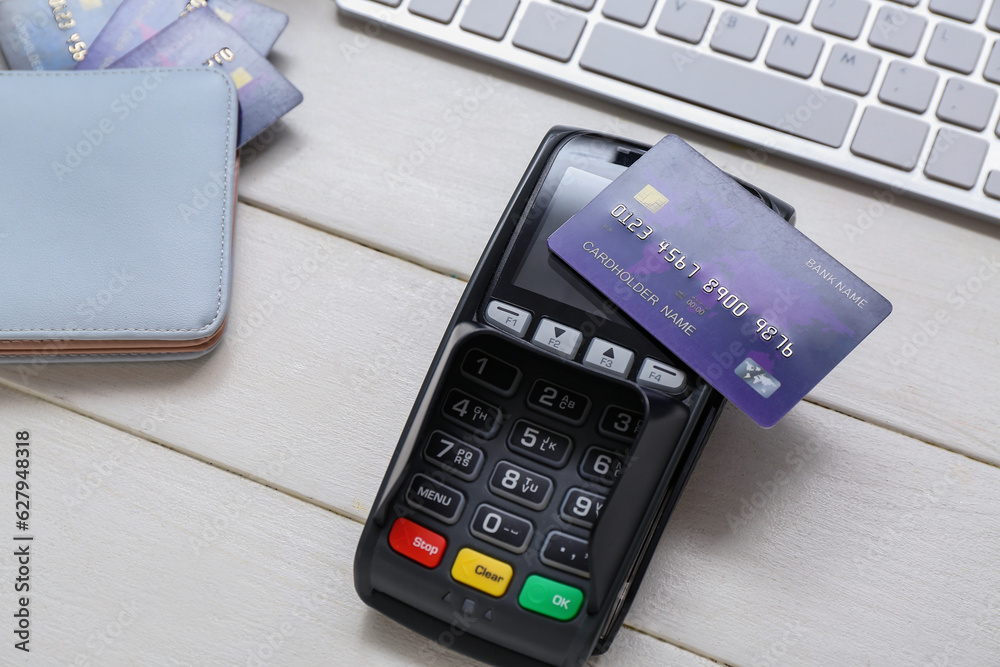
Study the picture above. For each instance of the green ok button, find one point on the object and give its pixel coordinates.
(550, 598)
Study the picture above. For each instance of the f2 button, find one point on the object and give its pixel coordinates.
(557, 338)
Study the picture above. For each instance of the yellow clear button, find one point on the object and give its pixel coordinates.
(489, 575)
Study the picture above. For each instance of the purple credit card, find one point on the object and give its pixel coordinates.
(738, 294)
(137, 21)
(202, 38)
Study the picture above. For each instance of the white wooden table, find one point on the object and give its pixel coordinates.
(206, 512)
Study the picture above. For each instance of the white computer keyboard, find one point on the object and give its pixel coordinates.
(902, 94)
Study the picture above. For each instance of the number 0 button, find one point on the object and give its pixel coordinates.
(501, 528)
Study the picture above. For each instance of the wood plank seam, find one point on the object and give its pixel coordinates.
(361, 241)
(682, 647)
(881, 423)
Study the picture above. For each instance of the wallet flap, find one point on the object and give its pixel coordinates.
(117, 191)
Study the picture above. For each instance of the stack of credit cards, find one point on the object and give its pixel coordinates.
(232, 35)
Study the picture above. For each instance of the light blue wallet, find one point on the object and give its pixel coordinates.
(117, 196)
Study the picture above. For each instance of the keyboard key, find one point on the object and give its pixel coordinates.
(794, 52)
(741, 3)
(685, 19)
(956, 158)
(992, 70)
(436, 499)
(442, 11)
(582, 508)
(390, 3)
(841, 17)
(491, 372)
(539, 443)
(851, 69)
(489, 18)
(503, 529)
(601, 465)
(633, 12)
(963, 10)
(771, 100)
(567, 553)
(908, 86)
(890, 138)
(955, 48)
(608, 357)
(563, 404)
(417, 543)
(521, 485)
(454, 456)
(468, 411)
(550, 598)
(897, 31)
(789, 10)
(993, 18)
(479, 571)
(738, 35)
(992, 186)
(967, 104)
(620, 423)
(557, 338)
(507, 317)
(662, 376)
(585, 5)
(549, 31)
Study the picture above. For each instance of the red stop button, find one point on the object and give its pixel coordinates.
(417, 543)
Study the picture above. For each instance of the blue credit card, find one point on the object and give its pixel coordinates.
(136, 21)
(739, 295)
(202, 38)
(50, 34)
(259, 24)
